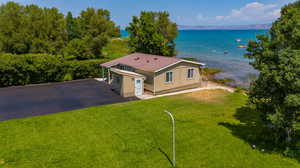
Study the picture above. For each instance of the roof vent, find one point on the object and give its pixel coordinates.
(155, 58)
(148, 61)
(137, 58)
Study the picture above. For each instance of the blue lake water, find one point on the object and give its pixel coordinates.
(208, 46)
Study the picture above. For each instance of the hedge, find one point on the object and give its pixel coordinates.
(42, 68)
(85, 69)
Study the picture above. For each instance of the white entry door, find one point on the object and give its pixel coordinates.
(138, 86)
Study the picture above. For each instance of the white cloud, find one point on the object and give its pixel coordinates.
(252, 12)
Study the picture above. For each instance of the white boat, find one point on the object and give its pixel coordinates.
(238, 40)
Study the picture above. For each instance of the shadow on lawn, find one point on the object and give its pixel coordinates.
(251, 130)
(166, 155)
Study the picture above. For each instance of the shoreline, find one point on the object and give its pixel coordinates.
(233, 73)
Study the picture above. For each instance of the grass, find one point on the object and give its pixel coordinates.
(212, 132)
(210, 72)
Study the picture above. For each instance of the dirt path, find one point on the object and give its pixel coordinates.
(210, 86)
(213, 85)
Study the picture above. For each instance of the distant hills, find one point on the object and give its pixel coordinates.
(231, 27)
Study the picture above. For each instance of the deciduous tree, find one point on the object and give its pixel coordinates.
(72, 27)
(276, 92)
(30, 29)
(153, 33)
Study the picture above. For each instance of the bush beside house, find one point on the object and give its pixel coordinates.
(42, 68)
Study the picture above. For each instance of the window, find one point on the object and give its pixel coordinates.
(190, 74)
(169, 76)
(126, 68)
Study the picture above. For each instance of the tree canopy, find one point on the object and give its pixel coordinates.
(153, 33)
(276, 92)
(40, 45)
(89, 33)
(31, 29)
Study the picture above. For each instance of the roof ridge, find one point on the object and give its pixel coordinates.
(146, 62)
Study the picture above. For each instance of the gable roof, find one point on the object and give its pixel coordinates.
(147, 62)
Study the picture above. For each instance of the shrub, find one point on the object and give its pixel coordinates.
(85, 69)
(211, 71)
(292, 152)
(40, 68)
(68, 77)
(78, 49)
(30, 69)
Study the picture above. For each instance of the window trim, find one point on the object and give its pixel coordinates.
(166, 77)
(192, 74)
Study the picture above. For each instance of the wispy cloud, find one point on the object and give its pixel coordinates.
(251, 12)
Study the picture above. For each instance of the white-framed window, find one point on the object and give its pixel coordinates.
(169, 77)
(190, 73)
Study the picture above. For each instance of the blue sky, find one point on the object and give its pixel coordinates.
(183, 12)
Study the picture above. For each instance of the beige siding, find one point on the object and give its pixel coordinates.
(148, 83)
(180, 79)
(124, 84)
(149, 87)
(156, 82)
(128, 89)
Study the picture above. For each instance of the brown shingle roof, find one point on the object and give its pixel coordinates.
(146, 62)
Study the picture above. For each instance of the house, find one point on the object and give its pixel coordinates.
(132, 74)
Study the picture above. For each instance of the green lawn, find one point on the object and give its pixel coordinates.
(213, 131)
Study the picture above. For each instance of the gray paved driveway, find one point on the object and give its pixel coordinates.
(34, 100)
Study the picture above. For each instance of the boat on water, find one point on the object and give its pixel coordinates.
(242, 46)
(238, 40)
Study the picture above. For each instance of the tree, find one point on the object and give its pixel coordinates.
(93, 28)
(78, 49)
(46, 30)
(276, 92)
(94, 22)
(12, 37)
(72, 27)
(153, 33)
(30, 29)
